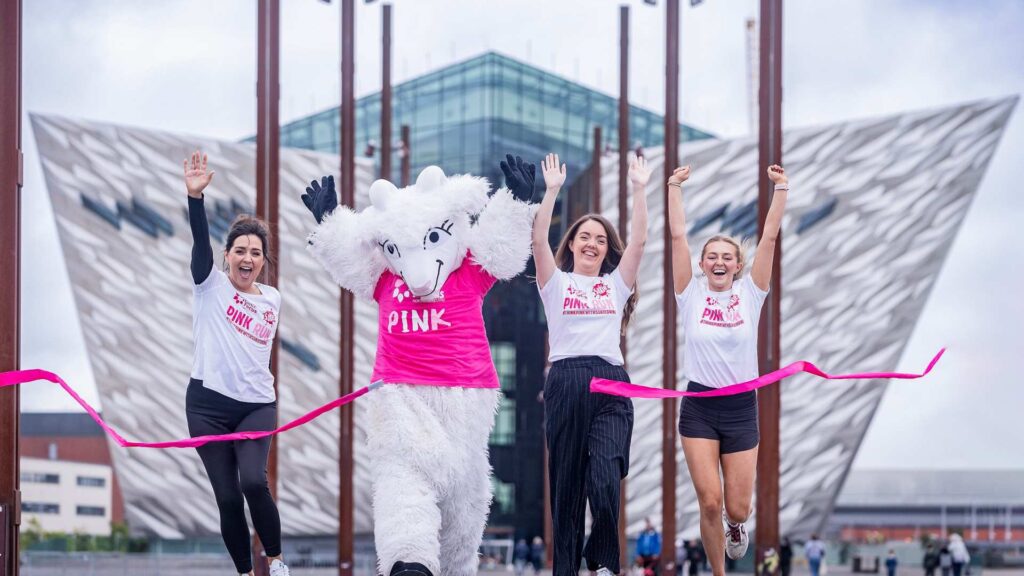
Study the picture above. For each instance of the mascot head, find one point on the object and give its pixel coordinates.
(423, 229)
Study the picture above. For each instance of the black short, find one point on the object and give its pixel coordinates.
(732, 420)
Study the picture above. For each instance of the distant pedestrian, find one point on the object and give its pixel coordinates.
(814, 550)
(930, 561)
(785, 556)
(537, 554)
(958, 550)
(945, 561)
(891, 562)
(521, 556)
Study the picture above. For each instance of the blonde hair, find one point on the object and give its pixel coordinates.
(741, 251)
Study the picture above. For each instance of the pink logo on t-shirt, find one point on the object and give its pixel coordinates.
(245, 326)
(579, 302)
(714, 315)
(439, 342)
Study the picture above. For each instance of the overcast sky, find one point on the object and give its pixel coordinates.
(189, 66)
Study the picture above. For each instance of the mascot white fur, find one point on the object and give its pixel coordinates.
(428, 254)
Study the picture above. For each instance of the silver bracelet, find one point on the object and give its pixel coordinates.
(783, 187)
(680, 186)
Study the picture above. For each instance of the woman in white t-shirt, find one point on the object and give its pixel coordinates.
(720, 310)
(234, 321)
(587, 288)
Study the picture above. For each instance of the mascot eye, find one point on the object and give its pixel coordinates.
(436, 236)
(390, 248)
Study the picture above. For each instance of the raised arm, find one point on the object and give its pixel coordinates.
(341, 243)
(761, 271)
(682, 265)
(629, 265)
(196, 180)
(500, 239)
(554, 177)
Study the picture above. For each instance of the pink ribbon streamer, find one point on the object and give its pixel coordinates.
(24, 376)
(598, 385)
(617, 388)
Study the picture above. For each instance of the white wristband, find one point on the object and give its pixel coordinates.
(784, 187)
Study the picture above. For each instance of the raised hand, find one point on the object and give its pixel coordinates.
(639, 172)
(679, 175)
(519, 178)
(196, 176)
(320, 198)
(554, 173)
(777, 174)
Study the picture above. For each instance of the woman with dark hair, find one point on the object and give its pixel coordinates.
(587, 288)
(231, 389)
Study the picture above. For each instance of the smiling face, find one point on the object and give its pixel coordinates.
(423, 229)
(245, 259)
(721, 262)
(425, 265)
(589, 246)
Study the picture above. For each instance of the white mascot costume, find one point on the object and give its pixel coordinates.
(428, 254)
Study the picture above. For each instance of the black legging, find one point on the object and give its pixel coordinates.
(237, 469)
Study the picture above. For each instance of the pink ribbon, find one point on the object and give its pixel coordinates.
(617, 388)
(599, 385)
(23, 376)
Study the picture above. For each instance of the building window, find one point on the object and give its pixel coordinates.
(40, 508)
(92, 481)
(504, 356)
(40, 478)
(504, 433)
(90, 510)
(504, 497)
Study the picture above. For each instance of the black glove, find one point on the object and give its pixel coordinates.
(320, 198)
(519, 178)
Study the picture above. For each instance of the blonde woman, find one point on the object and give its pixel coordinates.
(719, 310)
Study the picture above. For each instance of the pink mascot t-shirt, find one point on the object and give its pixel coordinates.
(437, 343)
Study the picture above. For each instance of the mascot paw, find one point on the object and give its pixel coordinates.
(409, 569)
(519, 178)
(321, 198)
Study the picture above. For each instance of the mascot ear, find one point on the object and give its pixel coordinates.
(381, 191)
(430, 178)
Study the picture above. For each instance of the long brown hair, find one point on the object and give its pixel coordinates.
(565, 261)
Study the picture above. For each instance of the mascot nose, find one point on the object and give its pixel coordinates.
(420, 287)
(421, 276)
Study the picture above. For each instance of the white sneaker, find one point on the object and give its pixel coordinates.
(602, 571)
(736, 540)
(278, 568)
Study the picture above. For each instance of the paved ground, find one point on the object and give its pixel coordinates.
(208, 565)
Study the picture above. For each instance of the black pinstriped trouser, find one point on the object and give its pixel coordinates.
(588, 449)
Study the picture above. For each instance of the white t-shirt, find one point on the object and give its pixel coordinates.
(233, 333)
(814, 550)
(584, 315)
(720, 330)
